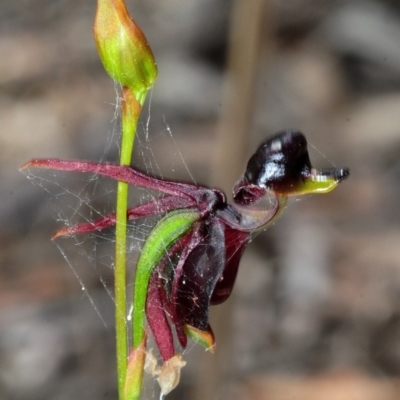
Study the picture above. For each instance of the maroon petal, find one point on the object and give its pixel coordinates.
(196, 195)
(201, 272)
(158, 206)
(157, 319)
(235, 243)
(168, 267)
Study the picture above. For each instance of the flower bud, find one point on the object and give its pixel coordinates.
(123, 48)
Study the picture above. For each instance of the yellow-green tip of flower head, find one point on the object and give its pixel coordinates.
(123, 48)
(320, 181)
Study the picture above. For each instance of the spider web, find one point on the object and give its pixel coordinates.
(77, 198)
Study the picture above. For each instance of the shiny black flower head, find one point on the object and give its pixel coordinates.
(282, 165)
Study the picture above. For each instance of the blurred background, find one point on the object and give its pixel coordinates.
(316, 308)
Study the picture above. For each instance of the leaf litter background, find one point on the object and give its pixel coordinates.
(316, 310)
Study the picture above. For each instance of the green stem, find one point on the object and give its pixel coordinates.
(120, 285)
(130, 113)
